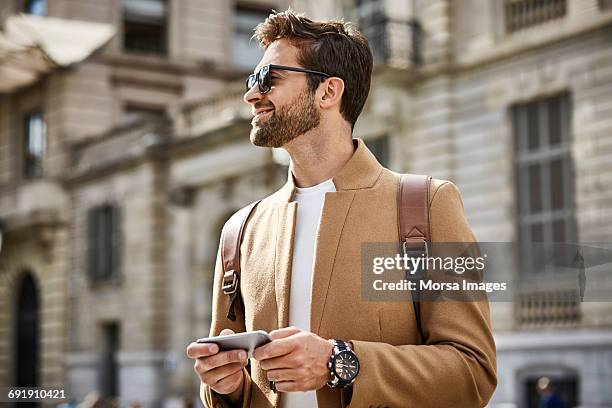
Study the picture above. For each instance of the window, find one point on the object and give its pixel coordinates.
(35, 7)
(372, 21)
(521, 14)
(394, 40)
(133, 112)
(109, 369)
(605, 4)
(380, 148)
(103, 240)
(544, 179)
(145, 26)
(34, 144)
(247, 52)
(565, 387)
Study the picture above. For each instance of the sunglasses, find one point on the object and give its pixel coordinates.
(264, 76)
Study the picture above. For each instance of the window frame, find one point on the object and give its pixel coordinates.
(163, 48)
(246, 7)
(25, 7)
(104, 244)
(526, 218)
(33, 162)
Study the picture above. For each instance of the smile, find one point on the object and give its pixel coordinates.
(262, 115)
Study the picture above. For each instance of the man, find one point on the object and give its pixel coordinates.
(301, 271)
(548, 396)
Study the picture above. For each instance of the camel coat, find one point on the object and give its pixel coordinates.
(455, 368)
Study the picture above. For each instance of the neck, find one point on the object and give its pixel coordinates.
(317, 155)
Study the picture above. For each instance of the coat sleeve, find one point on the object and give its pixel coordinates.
(456, 367)
(220, 305)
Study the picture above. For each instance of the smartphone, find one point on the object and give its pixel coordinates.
(246, 341)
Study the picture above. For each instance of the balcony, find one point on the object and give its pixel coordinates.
(215, 114)
(521, 14)
(395, 41)
(33, 202)
(120, 146)
(548, 308)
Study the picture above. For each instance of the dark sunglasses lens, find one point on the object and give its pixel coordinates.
(265, 82)
(251, 81)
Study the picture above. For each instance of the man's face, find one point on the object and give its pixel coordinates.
(288, 110)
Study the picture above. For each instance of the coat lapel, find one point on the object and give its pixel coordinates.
(286, 217)
(333, 216)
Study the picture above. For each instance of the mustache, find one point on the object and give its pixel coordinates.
(259, 105)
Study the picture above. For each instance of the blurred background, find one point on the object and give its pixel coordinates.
(124, 148)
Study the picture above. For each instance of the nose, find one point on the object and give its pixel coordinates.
(252, 95)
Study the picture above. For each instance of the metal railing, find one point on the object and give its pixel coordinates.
(394, 42)
(213, 113)
(520, 14)
(547, 308)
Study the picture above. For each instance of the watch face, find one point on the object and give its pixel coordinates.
(346, 365)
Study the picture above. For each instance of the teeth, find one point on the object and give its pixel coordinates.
(260, 114)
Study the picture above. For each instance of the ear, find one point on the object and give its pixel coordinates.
(332, 91)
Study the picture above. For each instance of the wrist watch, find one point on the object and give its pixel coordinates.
(343, 365)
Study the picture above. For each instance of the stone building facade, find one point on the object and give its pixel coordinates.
(147, 155)
(112, 216)
(511, 101)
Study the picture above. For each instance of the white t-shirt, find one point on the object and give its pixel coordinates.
(309, 204)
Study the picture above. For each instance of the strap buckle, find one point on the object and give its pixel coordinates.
(230, 282)
(414, 249)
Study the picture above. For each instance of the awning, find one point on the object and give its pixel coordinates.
(31, 46)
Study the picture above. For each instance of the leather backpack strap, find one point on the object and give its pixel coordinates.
(413, 226)
(231, 238)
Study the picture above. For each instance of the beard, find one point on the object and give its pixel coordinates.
(287, 122)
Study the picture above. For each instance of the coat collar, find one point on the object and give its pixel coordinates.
(360, 171)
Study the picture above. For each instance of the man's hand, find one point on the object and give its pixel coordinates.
(222, 371)
(295, 359)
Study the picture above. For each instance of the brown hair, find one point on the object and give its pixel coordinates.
(334, 47)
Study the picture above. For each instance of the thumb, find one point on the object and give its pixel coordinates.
(226, 332)
(284, 332)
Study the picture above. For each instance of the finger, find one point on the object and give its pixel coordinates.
(223, 358)
(276, 335)
(197, 350)
(285, 374)
(228, 384)
(284, 332)
(287, 361)
(289, 386)
(276, 348)
(212, 377)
